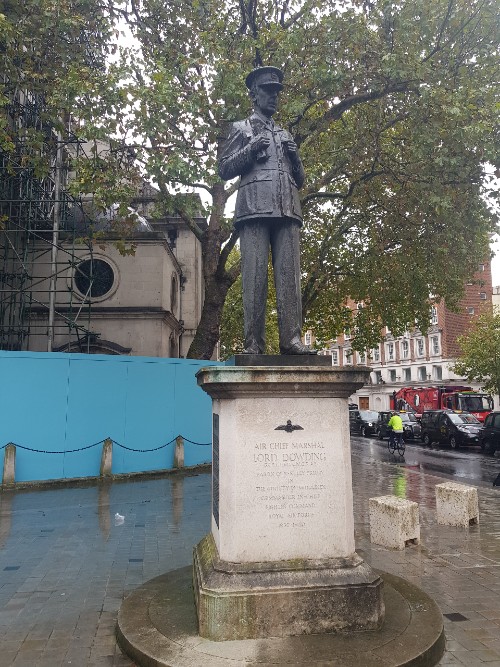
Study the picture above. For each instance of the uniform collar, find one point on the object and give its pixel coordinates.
(268, 122)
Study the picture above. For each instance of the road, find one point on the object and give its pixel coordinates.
(466, 465)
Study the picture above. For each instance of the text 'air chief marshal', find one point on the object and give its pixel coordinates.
(267, 213)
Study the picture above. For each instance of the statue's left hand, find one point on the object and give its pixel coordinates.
(292, 149)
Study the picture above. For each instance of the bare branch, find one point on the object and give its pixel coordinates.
(297, 16)
(344, 195)
(337, 110)
(439, 47)
(209, 104)
(441, 31)
(284, 10)
(224, 253)
(232, 189)
(244, 23)
(189, 222)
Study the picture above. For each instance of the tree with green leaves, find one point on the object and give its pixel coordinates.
(54, 59)
(479, 360)
(392, 105)
(51, 55)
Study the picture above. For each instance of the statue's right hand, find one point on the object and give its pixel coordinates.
(259, 143)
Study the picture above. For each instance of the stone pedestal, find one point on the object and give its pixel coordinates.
(281, 559)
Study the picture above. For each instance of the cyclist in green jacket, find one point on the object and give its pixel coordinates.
(396, 424)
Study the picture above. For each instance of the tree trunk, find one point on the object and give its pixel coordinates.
(208, 331)
(217, 279)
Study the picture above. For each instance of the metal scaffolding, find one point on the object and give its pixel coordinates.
(40, 226)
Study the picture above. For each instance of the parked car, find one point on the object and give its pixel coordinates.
(363, 421)
(411, 426)
(489, 436)
(451, 426)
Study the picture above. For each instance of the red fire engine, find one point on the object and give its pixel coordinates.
(453, 397)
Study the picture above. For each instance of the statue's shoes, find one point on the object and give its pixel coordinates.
(299, 348)
(252, 350)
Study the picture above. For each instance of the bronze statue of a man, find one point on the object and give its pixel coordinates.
(267, 213)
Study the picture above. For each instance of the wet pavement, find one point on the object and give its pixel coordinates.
(67, 560)
(467, 465)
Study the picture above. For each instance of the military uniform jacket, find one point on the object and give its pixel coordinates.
(269, 187)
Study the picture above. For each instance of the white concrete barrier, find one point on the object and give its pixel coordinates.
(394, 522)
(106, 467)
(9, 465)
(456, 504)
(179, 452)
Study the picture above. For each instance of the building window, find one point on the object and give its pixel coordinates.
(335, 358)
(348, 357)
(347, 334)
(308, 337)
(174, 289)
(94, 278)
(376, 354)
(482, 295)
(405, 349)
(407, 374)
(434, 315)
(378, 377)
(470, 310)
(362, 358)
(390, 351)
(481, 267)
(437, 373)
(392, 375)
(420, 347)
(435, 345)
(422, 373)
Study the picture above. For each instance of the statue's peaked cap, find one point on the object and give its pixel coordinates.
(265, 76)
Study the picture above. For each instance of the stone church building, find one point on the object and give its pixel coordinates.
(147, 303)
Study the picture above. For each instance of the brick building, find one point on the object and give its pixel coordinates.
(416, 358)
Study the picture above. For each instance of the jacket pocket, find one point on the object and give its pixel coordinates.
(255, 194)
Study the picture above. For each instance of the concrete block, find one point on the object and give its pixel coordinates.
(106, 458)
(394, 522)
(179, 452)
(9, 465)
(456, 504)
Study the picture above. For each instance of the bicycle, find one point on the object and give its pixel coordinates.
(396, 441)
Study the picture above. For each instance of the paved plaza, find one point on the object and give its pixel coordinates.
(67, 560)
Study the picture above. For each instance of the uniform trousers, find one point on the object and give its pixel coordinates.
(283, 236)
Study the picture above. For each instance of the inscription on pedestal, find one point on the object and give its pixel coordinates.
(290, 481)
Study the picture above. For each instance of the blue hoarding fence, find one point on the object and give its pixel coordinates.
(63, 403)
